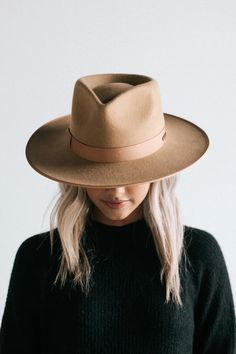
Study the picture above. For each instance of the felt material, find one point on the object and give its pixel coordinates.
(125, 153)
(115, 111)
(125, 311)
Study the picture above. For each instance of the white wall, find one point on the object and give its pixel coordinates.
(188, 46)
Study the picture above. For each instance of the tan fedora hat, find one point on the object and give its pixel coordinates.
(116, 135)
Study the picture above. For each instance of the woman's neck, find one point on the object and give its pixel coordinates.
(136, 215)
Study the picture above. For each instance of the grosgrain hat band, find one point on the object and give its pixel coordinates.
(125, 153)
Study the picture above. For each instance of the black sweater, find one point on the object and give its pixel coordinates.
(125, 311)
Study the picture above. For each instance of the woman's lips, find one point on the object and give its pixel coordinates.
(116, 205)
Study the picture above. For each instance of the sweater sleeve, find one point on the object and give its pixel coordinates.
(215, 329)
(20, 323)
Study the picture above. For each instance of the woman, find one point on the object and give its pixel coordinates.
(118, 272)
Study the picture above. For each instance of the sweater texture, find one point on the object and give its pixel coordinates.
(125, 311)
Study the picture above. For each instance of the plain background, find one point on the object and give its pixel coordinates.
(187, 46)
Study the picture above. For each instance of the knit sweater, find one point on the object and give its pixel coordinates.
(125, 311)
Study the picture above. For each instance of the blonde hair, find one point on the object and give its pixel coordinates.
(161, 211)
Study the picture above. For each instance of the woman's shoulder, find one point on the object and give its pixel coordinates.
(203, 249)
(196, 239)
(37, 246)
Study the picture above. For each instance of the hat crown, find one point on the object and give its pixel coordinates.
(129, 113)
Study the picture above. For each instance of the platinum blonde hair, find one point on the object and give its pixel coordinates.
(161, 211)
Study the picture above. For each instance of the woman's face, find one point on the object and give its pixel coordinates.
(118, 206)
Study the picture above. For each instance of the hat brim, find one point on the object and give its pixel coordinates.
(48, 152)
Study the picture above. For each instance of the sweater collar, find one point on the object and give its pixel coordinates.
(134, 234)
